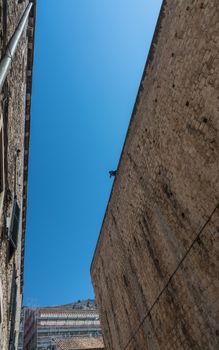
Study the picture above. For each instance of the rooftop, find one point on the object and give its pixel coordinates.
(81, 343)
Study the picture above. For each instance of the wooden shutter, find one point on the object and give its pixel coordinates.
(14, 224)
(13, 309)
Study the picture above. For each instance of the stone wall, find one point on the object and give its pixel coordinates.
(13, 111)
(155, 268)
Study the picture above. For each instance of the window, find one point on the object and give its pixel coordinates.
(13, 227)
(13, 309)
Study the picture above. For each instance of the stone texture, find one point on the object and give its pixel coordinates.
(155, 268)
(13, 112)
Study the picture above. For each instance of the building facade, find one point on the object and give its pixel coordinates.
(21, 330)
(79, 343)
(44, 327)
(155, 268)
(17, 19)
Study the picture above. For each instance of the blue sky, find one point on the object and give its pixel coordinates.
(89, 58)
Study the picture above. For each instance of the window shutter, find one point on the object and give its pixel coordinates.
(13, 308)
(14, 224)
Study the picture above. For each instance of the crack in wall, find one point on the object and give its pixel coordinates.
(170, 278)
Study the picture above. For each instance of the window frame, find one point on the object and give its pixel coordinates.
(13, 309)
(13, 226)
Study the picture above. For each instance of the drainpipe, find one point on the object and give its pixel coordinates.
(12, 45)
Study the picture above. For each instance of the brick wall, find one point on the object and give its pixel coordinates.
(155, 268)
(13, 113)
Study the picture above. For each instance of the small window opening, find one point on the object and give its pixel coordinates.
(13, 308)
(13, 227)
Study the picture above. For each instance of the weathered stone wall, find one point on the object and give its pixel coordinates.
(155, 268)
(12, 112)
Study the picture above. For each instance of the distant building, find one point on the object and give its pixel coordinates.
(17, 23)
(85, 343)
(44, 327)
(21, 330)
